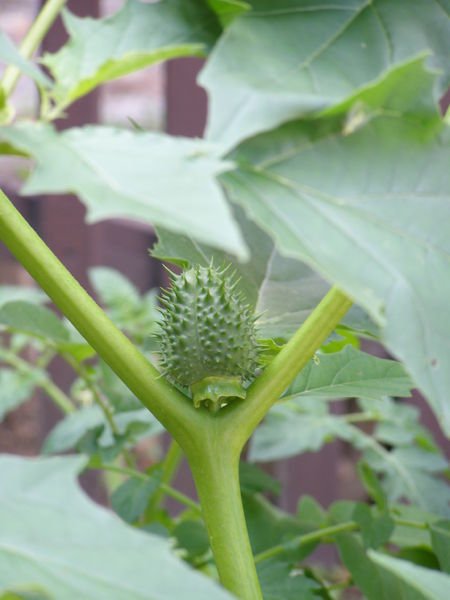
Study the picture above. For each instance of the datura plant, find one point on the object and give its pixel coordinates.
(314, 216)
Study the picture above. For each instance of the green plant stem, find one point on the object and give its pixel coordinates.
(243, 417)
(168, 489)
(45, 383)
(407, 523)
(325, 532)
(307, 538)
(170, 407)
(215, 468)
(361, 417)
(31, 41)
(170, 468)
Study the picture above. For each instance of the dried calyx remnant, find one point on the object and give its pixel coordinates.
(207, 339)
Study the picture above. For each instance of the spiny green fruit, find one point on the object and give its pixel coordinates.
(208, 338)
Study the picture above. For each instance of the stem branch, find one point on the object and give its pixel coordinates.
(170, 407)
(42, 380)
(31, 41)
(243, 417)
(170, 467)
(325, 532)
(168, 490)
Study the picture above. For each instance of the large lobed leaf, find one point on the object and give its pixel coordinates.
(55, 539)
(286, 59)
(117, 173)
(138, 35)
(363, 198)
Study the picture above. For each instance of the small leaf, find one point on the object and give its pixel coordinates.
(254, 480)
(112, 287)
(279, 583)
(408, 537)
(33, 319)
(15, 388)
(192, 537)
(440, 538)
(131, 498)
(310, 513)
(376, 529)
(13, 293)
(68, 432)
(269, 526)
(10, 55)
(373, 487)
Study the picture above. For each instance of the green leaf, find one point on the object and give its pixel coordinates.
(13, 293)
(10, 55)
(440, 538)
(191, 536)
(376, 529)
(310, 512)
(371, 484)
(289, 292)
(69, 432)
(279, 583)
(254, 480)
(304, 425)
(131, 312)
(131, 498)
(286, 432)
(137, 36)
(351, 373)
(42, 509)
(382, 577)
(120, 173)
(33, 319)
(15, 388)
(368, 209)
(269, 526)
(228, 10)
(412, 473)
(286, 60)
(416, 581)
(407, 537)
(119, 396)
(112, 287)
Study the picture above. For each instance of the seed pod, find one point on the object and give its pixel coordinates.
(207, 338)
